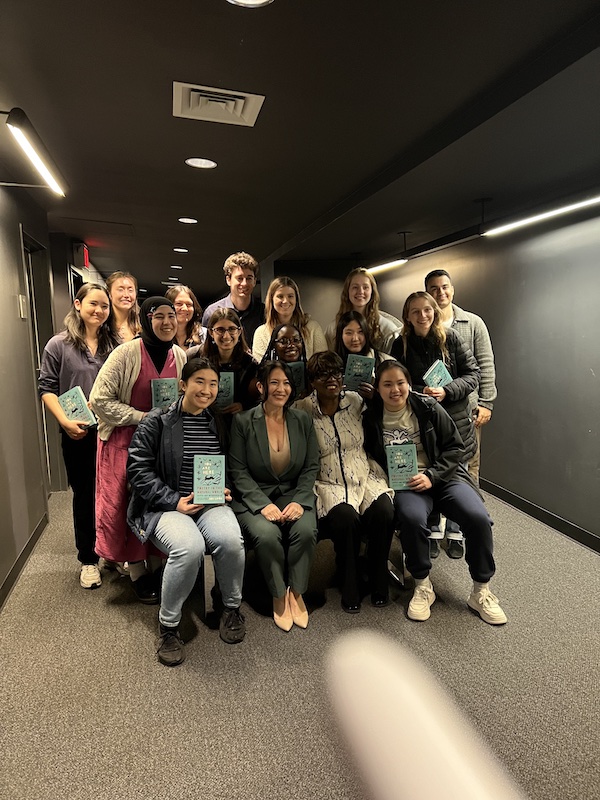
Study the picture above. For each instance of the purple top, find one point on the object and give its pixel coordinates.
(65, 366)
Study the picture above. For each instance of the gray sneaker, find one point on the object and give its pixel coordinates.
(232, 627)
(170, 647)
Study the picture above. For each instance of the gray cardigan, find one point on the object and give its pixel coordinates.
(473, 331)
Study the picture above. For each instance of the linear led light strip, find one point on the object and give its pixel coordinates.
(511, 226)
(388, 265)
(35, 159)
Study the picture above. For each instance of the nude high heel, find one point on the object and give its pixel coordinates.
(298, 609)
(282, 616)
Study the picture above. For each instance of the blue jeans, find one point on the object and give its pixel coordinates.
(460, 502)
(185, 541)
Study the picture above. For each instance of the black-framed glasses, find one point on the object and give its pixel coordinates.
(289, 340)
(222, 331)
(335, 374)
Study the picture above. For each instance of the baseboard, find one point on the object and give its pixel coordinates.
(12, 576)
(584, 537)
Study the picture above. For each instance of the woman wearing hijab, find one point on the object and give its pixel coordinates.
(121, 397)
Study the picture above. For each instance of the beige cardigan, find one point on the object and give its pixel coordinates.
(111, 392)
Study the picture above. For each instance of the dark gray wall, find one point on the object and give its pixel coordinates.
(23, 492)
(537, 290)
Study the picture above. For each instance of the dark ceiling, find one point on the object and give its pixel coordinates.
(379, 117)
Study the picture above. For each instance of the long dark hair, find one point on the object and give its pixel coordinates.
(376, 403)
(265, 370)
(339, 346)
(210, 349)
(133, 317)
(75, 326)
(193, 329)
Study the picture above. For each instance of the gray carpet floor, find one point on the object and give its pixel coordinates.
(87, 711)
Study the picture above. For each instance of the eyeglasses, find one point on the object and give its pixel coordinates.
(222, 331)
(286, 341)
(323, 376)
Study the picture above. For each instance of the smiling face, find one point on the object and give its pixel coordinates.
(184, 308)
(225, 335)
(288, 344)
(94, 308)
(441, 290)
(353, 337)
(199, 391)
(359, 292)
(284, 303)
(394, 389)
(241, 283)
(123, 294)
(164, 323)
(421, 315)
(277, 390)
(328, 385)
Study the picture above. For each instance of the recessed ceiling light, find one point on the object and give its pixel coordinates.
(201, 163)
(170, 282)
(180, 250)
(188, 220)
(142, 290)
(250, 3)
(175, 266)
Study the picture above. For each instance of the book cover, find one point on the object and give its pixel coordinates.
(437, 375)
(226, 390)
(75, 406)
(209, 479)
(359, 369)
(298, 369)
(402, 465)
(164, 392)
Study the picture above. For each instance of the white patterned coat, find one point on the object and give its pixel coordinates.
(346, 474)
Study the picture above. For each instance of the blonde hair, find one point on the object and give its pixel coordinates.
(299, 318)
(371, 312)
(437, 332)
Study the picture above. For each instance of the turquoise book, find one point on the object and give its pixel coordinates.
(359, 369)
(298, 369)
(226, 390)
(75, 406)
(437, 375)
(164, 392)
(402, 465)
(209, 479)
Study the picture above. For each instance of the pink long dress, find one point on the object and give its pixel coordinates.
(114, 540)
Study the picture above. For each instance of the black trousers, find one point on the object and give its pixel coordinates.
(347, 528)
(80, 461)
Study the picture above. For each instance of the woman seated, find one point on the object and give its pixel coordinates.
(360, 294)
(160, 470)
(352, 337)
(400, 416)
(273, 462)
(227, 349)
(282, 306)
(286, 344)
(424, 341)
(353, 498)
(189, 316)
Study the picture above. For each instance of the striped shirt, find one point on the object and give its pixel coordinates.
(198, 439)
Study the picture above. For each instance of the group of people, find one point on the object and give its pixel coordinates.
(264, 386)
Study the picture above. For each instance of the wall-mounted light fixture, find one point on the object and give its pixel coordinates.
(557, 212)
(396, 262)
(250, 3)
(21, 128)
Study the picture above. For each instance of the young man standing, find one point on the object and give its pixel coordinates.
(473, 331)
(241, 271)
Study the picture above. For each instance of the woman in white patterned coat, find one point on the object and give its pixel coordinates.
(354, 501)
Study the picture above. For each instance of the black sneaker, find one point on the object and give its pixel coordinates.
(170, 647)
(455, 548)
(434, 548)
(232, 627)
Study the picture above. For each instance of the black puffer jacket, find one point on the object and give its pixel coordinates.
(421, 352)
(440, 439)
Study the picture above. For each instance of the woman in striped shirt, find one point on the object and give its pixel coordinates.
(160, 470)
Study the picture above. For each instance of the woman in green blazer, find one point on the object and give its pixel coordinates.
(273, 463)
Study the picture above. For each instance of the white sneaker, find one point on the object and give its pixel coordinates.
(422, 600)
(486, 605)
(89, 577)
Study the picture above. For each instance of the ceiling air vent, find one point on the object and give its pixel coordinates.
(209, 104)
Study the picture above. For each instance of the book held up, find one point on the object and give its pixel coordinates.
(437, 375)
(209, 479)
(402, 465)
(76, 408)
(164, 392)
(359, 369)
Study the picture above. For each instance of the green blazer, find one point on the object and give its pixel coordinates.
(254, 482)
